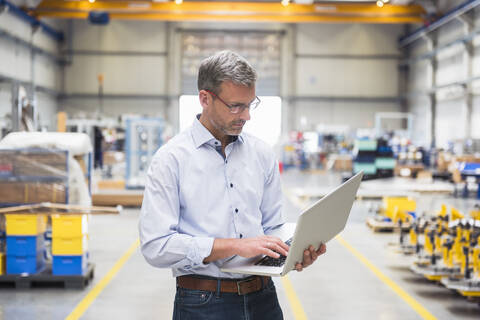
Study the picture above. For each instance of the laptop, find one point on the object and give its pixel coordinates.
(317, 224)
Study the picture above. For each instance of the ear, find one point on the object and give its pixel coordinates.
(204, 98)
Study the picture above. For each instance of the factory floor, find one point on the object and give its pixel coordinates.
(360, 277)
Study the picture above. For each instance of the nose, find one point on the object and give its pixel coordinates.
(245, 114)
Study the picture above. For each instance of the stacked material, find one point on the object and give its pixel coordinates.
(365, 155)
(33, 175)
(384, 162)
(69, 244)
(374, 157)
(25, 245)
(45, 166)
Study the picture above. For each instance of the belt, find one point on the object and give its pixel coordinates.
(241, 287)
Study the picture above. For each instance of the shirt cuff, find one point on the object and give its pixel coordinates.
(199, 249)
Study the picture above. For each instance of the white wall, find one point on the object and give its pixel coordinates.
(131, 56)
(453, 117)
(345, 71)
(309, 114)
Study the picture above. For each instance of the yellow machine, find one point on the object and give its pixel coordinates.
(397, 208)
(394, 214)
(442, 255)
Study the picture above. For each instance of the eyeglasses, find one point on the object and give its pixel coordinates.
(238, 108)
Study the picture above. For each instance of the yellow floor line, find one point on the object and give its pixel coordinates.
(389, 282)
(93, 294)
(297, 308)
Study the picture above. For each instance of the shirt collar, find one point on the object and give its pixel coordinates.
(201, 135)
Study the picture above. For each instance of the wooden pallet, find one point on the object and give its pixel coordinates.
(46, 279)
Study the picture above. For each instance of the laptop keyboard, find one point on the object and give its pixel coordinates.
(273, 262)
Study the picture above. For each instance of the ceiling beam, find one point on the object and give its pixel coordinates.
(234, 11)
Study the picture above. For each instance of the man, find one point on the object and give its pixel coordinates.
(213, 192)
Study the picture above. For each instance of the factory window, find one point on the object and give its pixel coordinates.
(261, 48)
(265, 122)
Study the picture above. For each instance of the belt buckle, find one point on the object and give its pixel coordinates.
(239, 290)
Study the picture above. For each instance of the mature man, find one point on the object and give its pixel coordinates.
(213, 192)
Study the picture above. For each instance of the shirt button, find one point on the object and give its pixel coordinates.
(231, 185)
(216, 142)
(236, 210)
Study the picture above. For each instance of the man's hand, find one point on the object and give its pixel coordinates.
(247, 248)
(267, 245)
(310, 255)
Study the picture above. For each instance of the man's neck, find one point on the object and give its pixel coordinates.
(223, 138)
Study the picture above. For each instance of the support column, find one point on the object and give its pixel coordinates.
(468, 25)
(431, 45)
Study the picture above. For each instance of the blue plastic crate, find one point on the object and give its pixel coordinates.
(26, 264)
(69, 265)
(25, 245)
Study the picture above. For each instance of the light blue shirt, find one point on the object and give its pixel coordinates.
(194, 195)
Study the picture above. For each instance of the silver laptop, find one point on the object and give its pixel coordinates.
(318, 224)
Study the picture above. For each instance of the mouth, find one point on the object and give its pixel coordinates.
(238, 125)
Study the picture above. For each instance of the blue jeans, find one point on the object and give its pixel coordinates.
(207, 305)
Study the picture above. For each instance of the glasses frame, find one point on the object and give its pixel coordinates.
(254, 104)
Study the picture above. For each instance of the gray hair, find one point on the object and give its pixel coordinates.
(225, 66)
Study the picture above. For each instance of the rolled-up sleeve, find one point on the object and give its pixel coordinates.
(161, 244)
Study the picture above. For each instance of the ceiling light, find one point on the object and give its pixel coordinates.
(91, 1)
(386, 1)
(178, 1)
(379, 3)
(285, 2)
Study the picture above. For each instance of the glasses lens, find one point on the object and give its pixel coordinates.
(254, 103)
(240, 108)
(236, 109)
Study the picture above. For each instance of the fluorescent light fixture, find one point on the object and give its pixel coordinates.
(178, 1)
(303, 1)
(91, 1)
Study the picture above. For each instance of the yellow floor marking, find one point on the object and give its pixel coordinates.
(93, 294)
(297, 308)
(389, 282)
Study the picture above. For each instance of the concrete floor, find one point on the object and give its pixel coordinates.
(337, 286)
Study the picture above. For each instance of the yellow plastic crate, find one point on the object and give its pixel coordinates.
(69, 246)
(25, 224)
(69, 226)
(2, 263)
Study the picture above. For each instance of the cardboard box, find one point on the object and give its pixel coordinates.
(31, 192)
